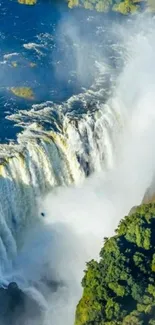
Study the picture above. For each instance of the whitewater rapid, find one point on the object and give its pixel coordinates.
(75, 147)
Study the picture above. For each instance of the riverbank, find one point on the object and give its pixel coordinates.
(124, 7)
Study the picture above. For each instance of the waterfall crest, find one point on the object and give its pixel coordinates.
(60, 145)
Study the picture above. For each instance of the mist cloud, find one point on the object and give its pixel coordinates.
(93, 210)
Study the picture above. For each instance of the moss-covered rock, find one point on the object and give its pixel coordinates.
(120, 288)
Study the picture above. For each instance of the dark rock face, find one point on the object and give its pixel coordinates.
(149, 197)
(133, 209)
(17, 308)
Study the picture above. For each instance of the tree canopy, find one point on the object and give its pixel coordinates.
(120, 288)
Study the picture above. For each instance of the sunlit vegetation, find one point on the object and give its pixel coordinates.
(122, 6)
(126, 7)
(120, 288)
(28, 2)
(24, 92)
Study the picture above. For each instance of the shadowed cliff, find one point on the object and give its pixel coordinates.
(16, 307)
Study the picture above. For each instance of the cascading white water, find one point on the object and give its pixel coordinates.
(60, 146)
(53, 150)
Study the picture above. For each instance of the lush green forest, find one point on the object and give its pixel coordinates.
(120, 288)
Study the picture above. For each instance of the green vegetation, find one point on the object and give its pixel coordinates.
(126, 7)
(122, 6)
(28, 2)
(24, 92)
(120, 288)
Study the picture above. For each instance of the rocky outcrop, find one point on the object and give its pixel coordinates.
(18, 308)
(149, 197)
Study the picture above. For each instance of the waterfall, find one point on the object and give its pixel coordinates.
(58, 147)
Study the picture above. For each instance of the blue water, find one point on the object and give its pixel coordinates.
(54, 77)
(57, 74)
